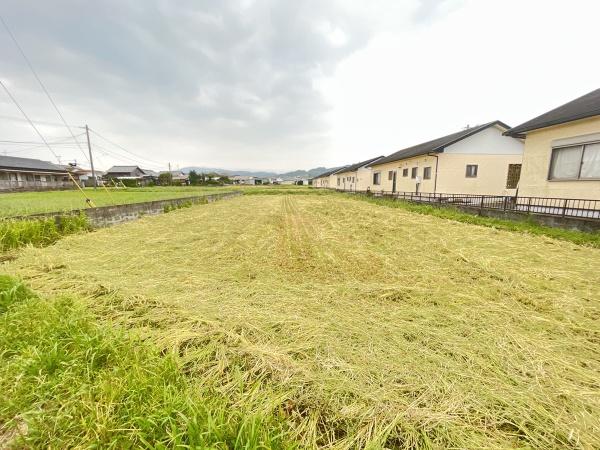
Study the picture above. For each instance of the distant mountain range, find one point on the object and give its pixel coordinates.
(251, 173)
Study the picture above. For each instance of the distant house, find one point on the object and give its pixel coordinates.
(177, 176)
(477, 160)
(324, 180)
(244, 179)
(562, 151)
(142, 177)
(31, 174)
(86, 178)
(150, 176)
(356, 177)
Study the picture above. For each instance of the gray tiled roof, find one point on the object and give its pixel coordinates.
(357, 166)
(329, 172)
(587, 105)
(12, 162)
(122, 169)
(437, 145)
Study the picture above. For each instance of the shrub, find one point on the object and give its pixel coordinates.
(39, 232)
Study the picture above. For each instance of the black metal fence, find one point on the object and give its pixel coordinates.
(562, 207)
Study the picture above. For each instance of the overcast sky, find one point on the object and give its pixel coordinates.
(282, 85)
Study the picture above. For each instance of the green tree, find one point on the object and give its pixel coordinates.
(194, 178)
(165, 179)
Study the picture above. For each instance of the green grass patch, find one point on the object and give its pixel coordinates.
(68, 381)
(451, 213)
(39, 232)
(180, 205)
(25, 203)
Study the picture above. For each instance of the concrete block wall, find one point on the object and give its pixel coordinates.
(106, 216)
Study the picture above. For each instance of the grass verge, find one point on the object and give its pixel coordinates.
(25, 203)
(68, 381)
(39, 232)
(448, 212)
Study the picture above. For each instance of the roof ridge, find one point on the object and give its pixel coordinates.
(438, 144)
(561, 114)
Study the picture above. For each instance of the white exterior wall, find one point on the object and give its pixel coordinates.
(488, 142)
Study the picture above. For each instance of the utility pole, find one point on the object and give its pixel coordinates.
(170, 176)
(87, 133)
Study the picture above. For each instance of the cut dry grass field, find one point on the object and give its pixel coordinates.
(362, 326)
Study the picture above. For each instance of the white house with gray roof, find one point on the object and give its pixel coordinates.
(29, 174)
(141, 176)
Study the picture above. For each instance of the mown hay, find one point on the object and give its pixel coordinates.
(365, 326)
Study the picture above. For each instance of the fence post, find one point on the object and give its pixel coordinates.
(504, 203)
(481, 206)
(528, 204)
(565, 203)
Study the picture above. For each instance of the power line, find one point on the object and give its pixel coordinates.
(63, 140)
(41, 84)
(162, 164)
(14, 100)
(39, 122)
(106, 152)
(88, 201)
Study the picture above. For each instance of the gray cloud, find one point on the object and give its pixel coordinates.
(209, 79)
(428, 10)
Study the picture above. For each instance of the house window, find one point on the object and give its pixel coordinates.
(353, 179)
(338, 181)
(578, 162)
(390, 175)
(471, 171)
(413, 172)
(427, 173)
(513, 177)
(377, 178)
(404, 172)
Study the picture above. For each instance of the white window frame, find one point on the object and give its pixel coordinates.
(578, 178)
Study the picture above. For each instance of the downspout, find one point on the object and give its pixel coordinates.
(436, 172)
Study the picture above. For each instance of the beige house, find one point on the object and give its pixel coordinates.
(562, 151)
(356, 177)
(327, 179)
(477, 160)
